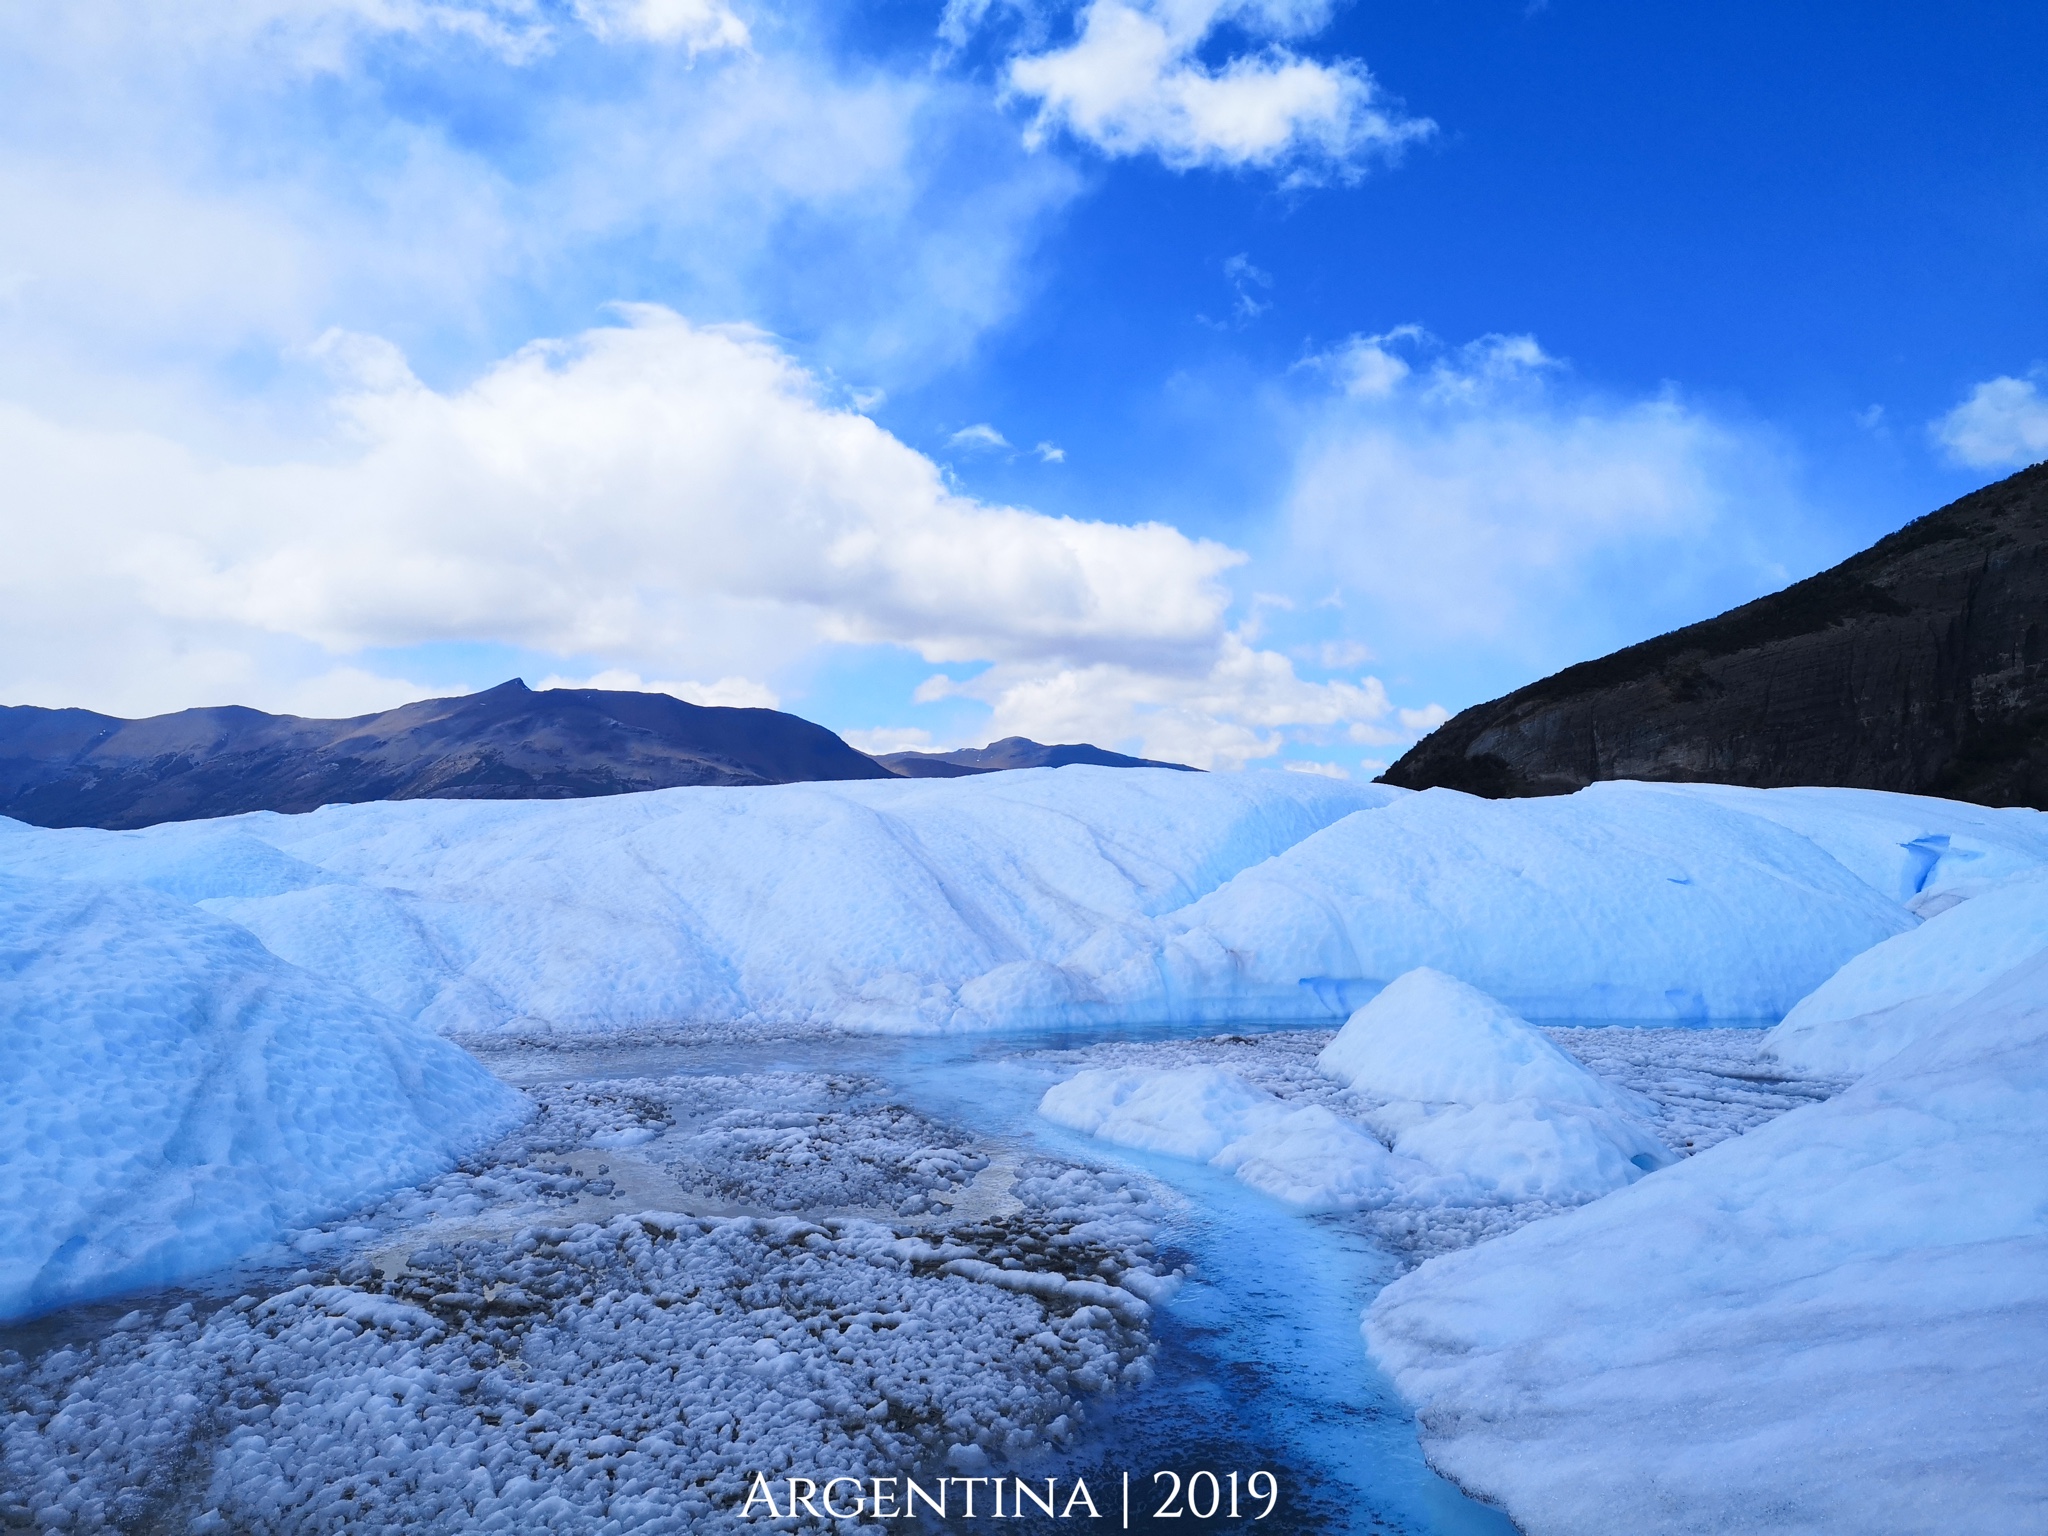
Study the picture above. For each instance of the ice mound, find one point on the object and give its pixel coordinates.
(883, 904)
(1458, 1082)
(1306, 1156)
(1526, 1149)
(1628, 905)
(175, 1094)
(1313, 1158)
(1069, 895)
(1890, 995)
(1431, 1038)
(1191, 1112)
(1860, 1285)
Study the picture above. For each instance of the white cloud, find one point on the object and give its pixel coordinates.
(979, 438)
(1133, 81)
(2003, 425)
(1473, 494)
(1420, 722)
(1237, 708)
(727, 692)
(674, 499)
(1051, 453)
(888, 738)
(700, 26)
(159, 254)
(1320, 770)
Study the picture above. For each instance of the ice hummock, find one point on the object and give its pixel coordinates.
(175, 1094)
(1835, 1322)
(1456, 1102)
(1639, 905)
(1887, 997)
(1432, 1039)
(1075, 895)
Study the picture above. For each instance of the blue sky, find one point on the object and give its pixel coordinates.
(1242, 383)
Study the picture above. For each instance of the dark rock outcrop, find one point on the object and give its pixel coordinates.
(1920, 665)
(1011, 752)
(74, 768)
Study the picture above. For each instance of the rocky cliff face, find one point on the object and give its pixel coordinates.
(1920, 664)
(74, 768)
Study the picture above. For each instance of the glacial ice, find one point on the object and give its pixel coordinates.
(174, 1093)
(1891, 994)
(227, 1029)
(1477, 1106)
(1639, 905)
(1060, 895)
(1431, 1038)
(1835, 1322)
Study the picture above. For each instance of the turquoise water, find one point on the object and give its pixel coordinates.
(1261, 1364)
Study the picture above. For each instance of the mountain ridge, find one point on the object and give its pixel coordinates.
(1013, 752)
(73, 767)
(1919, 664)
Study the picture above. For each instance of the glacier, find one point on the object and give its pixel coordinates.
(1835, 1322)
(176, 1094)
(1048, 895)
(223, 1031)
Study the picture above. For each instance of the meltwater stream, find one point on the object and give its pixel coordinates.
(1260, 1364)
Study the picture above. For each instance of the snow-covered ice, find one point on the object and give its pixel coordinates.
(1458, 1082)
(1454, 1101)
(222, 1032)
(174, 1093)
(1631, 906)
(1073, 894)
(1432, 1039)
(1891, 994)
(1835, 1322)
(908, 904)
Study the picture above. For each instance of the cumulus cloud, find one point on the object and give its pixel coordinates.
(1133, 81)
(1474, 494)
(656, 493)
(886, 213)
(1237, 704)
(2003, 425)
(888, 738)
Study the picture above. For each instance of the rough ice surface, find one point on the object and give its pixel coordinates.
(1915, 849)
(225, 1031)
(1891, 994)
(1454, 1101)
(1638, 905)
(908, 904)
(1062, 895)
(174, 1093)
(518, 1345)
(1835, 1322)
(1316, 1147)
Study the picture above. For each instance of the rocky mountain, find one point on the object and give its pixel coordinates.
(74, 768)
(1011, 752)
(1920, 664)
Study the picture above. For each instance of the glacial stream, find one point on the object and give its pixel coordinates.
(1260, 1362)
